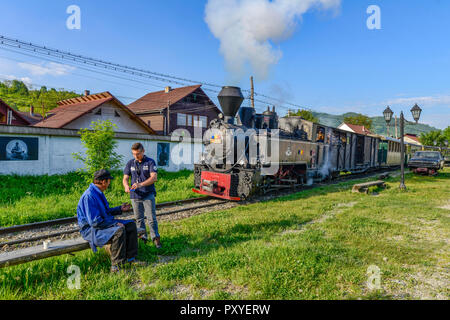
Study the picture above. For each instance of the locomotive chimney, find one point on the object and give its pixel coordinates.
(230, 99)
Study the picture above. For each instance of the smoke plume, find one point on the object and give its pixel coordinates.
(247, 29)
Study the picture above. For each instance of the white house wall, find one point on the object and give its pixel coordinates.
(57, 145)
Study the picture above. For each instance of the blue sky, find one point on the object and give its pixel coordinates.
(331, 61)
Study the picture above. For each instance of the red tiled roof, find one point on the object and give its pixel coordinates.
(359, 129)
(413, 137)
(160, 99)
(72, 109)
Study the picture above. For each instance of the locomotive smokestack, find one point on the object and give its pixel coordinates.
(230, 99)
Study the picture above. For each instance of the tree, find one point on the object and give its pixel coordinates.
(432, 137)
(100, 148)
(305, 114)
(446, 134)
(359, 120)
(16, 93)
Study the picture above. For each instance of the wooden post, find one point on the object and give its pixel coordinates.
(252, 96)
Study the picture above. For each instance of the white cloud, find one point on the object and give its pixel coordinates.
(50, 68)
(26, 80)
(427, 100)
(247, 29)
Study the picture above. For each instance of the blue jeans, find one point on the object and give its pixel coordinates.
(146, 209)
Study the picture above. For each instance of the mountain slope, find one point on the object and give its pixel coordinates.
(378, 124)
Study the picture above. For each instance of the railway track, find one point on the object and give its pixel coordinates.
(24, 237)
(30, 233)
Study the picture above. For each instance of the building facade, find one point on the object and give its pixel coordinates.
(171, 109)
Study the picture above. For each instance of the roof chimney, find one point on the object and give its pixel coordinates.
(31, 110)
(168, 89)
(86, 93)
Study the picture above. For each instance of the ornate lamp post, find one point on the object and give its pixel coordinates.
(388, 117)
(416, 111)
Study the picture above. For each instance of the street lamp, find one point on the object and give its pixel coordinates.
(416, 111)
(388, 117)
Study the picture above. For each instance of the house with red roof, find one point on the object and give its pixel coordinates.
(354, 128)
(179, 108)
(9, 116)
(77, 113)
(412, 138)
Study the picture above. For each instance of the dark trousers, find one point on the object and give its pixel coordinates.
(124, 244)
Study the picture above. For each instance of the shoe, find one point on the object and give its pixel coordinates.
(115, 269)
(136, 262)
(143, 238)
(157, 243)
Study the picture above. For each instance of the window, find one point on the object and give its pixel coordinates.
(2, 118)
(196, 121)
(203, 121)
(181, 119)
(320, 134)
(116, 114)
(189, 120)
(99, 112)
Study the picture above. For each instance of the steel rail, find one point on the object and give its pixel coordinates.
(74, 230)
(69, 220)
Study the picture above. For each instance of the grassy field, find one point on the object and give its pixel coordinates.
(316, 244)
(27, 199)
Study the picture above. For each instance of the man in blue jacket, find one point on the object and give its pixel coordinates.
(98, 226)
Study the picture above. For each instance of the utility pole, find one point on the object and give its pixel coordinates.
(168, 117)
(252, 96)
(396, 135)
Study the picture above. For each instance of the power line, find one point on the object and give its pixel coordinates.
(93, 62)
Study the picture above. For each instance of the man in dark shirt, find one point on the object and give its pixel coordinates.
(144, 174)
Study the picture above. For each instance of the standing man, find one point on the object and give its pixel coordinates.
(144, 174)
(98, 226)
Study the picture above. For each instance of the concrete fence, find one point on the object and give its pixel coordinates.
(39, 151)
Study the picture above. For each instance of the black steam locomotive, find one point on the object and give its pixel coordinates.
(255, 153)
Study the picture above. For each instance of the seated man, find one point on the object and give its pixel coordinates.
(98, 226)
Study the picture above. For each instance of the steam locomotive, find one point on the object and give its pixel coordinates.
(254, 153)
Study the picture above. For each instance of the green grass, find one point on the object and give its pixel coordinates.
(316, 244)
(27, 199)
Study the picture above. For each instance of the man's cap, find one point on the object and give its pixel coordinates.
(103, 175)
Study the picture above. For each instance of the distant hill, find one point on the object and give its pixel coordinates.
(378, 124)
(18, 96)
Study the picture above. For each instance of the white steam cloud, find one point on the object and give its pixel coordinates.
(247, 28)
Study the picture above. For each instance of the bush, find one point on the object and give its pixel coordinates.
(100, 144)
